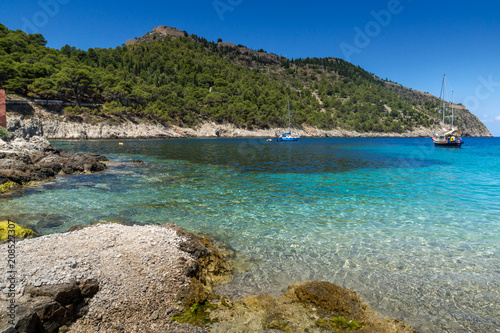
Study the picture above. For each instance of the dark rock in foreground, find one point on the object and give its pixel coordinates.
(48, 307)
(23, 162)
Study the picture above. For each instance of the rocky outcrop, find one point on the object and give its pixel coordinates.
(106, 278)
(470, 125)
(58, 128)
(23, 162)
(46, 308)
(161, 31)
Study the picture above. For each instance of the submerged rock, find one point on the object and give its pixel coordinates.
(48, 221)
(305, 307)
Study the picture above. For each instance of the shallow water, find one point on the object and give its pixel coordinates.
(414, 229)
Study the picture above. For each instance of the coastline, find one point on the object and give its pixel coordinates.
(58, 127)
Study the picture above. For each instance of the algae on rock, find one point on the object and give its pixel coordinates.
(18, 231)
(305, 307)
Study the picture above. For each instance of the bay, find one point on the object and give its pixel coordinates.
(413, 228)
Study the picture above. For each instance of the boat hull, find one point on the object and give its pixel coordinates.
(287, 139)
(451, 140)
(448, 144)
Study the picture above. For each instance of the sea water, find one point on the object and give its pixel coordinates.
(412, 228)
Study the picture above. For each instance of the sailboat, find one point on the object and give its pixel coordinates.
(287, 136)
(450, 137)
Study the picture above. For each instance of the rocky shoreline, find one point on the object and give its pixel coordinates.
(23, 162)
(60, 127)
(117, 278)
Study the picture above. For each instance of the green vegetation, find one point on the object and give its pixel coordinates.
(5, 187)
(338, 322)
(188, 80)
(198, 314)
(4, 134)
(283, 326)
(19, 231)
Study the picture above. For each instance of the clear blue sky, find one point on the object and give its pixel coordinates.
(412, 42)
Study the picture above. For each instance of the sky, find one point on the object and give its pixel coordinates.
(411, 42)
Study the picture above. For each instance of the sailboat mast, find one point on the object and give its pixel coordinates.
(444, 93)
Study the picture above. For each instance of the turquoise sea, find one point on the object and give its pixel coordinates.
(413, 229)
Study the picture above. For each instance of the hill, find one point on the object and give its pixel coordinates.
(180, 79)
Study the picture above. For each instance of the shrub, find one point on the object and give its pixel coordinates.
(4, 134)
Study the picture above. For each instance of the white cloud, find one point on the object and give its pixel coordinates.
(497, 118)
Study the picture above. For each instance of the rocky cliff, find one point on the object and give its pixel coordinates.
(469, 124)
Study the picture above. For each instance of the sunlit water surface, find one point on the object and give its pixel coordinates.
(414, 229)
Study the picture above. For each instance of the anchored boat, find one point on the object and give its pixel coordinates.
(287, 136)
(449, 137)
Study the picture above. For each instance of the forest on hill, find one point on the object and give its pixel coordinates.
(186, 81)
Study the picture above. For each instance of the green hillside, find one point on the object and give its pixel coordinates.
(189, 80)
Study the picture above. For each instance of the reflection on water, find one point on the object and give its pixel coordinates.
(413, 229)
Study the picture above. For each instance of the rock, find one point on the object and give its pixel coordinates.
(60, 304)
(331, 299)
(51, 313)
(77, 128)
(109, 286)
(48, 221)
(19, 231)
(23, 162)
(194, 293)
(64, 294)
(89, 288)
(26, 321)
(99, 158)
(305, 307)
